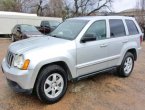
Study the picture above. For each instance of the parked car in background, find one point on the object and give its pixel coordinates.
(9, 19)
(48, 26)
(23, 31)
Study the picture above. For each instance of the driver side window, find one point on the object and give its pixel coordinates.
(98, 30)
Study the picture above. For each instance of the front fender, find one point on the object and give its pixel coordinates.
(70, 63)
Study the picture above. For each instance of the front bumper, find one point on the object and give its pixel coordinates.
(19, 80)
(17, 88)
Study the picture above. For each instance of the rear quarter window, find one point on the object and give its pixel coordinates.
(117, 28)
(131, 27)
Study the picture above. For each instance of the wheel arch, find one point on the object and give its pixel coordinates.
(59, 63)
(134, 52)
(131, 50)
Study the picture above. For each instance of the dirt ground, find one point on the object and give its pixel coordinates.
(102, 92)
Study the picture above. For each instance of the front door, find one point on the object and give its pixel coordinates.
(92, 55)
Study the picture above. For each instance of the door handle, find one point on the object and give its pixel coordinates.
(103, 45)
(125, 41)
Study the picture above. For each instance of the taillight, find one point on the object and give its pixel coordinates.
(141, 39)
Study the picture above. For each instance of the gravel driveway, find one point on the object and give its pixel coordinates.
(102, 92)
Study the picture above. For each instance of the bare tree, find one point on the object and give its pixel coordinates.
(39, 8)
(87, 7)
(35, 6)
(141, 4)
(140, 12)
(11, 5)
(100, 5)
(56, 7)
(1, 6)
(66, 13)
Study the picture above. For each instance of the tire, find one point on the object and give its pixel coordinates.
(13, 38)
(46, 85)
(127, 65)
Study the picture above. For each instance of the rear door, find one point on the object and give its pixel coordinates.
(118, 38)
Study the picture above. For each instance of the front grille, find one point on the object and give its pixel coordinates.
(9, 58)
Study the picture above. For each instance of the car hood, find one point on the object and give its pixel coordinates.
(36, 42)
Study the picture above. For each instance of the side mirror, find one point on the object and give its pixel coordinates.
(88, 37)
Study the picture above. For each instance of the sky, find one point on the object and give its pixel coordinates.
(120, 5)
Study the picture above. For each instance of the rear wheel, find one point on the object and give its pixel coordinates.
(52, 84)
(127, 65)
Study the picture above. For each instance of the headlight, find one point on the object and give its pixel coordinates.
(20, 63)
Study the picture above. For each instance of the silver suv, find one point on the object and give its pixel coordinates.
(77, 48)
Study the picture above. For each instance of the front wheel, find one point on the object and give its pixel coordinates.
(127, 65)
(52, 84)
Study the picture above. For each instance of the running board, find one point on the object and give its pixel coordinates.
(93, 74)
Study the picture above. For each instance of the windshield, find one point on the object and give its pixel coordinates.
(28, 28)
(69, 29)
(50, 23)
(54, 23)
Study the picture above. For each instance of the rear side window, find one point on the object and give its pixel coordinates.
(117, 28)
(131, 27)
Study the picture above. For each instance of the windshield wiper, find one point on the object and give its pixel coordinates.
(56, 36)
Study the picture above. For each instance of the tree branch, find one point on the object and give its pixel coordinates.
(99, 7)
